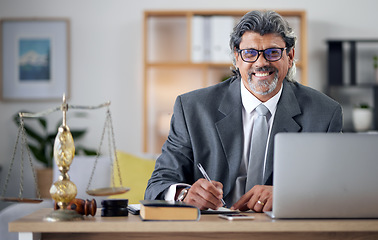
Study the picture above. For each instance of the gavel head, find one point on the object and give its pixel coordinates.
(81, 206)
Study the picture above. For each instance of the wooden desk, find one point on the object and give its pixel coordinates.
(209, 227)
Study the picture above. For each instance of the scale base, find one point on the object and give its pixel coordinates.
(63, 215)
(23, 200)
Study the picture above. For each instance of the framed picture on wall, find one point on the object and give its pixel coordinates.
(35, 59)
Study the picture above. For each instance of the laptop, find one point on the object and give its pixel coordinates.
(325, 175)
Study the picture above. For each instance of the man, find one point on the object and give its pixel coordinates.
(213, 126)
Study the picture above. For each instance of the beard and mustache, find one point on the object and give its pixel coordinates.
(263, 87)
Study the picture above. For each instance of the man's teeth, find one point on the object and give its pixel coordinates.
(264, 74)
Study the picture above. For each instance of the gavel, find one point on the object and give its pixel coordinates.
(81, 206)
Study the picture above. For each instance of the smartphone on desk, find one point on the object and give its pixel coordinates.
(236, 216)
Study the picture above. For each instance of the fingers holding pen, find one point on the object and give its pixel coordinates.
(205, 194)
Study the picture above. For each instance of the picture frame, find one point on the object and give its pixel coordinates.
(35, 59)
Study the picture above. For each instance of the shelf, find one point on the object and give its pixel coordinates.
(187, 64)
(351, 76)
(202, 64)
(343, 56)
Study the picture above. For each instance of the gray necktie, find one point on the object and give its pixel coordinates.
(257, 151)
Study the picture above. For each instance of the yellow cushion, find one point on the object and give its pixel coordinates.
(135, 172)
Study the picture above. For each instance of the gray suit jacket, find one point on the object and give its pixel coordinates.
(207, 127)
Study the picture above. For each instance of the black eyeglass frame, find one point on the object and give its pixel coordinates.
(259, 53)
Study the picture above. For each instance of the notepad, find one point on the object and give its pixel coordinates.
(220, 210)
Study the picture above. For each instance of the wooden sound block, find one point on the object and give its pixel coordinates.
(81, 206)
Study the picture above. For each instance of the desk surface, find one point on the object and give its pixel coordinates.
(208, 224)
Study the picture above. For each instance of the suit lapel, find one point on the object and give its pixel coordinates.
(287, 109)
(230, 129)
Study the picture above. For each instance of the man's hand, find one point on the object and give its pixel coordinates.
(204, 194)
(258, 199)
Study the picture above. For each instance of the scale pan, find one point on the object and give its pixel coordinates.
(107, 191)
(24, 200)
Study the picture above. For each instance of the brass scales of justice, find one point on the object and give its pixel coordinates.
(63, 191)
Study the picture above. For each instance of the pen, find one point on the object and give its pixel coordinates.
(207, 178)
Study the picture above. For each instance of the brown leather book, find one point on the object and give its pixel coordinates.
(168, 211)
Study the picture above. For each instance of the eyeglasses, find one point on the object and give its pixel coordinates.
(270, 54)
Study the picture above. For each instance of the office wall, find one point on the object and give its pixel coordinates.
(106, 55)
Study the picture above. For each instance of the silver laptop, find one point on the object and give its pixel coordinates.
(325, 175)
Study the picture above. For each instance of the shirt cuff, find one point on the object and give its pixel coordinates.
(171, 193)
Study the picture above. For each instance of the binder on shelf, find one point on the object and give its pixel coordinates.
(221, 28)
(200, 39)
(197, 39)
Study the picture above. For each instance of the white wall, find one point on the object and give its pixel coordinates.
(106, 54)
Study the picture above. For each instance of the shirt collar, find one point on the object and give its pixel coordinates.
(250, 102)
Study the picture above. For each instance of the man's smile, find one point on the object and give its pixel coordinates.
(263, 72)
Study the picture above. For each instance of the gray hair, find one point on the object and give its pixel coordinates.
(264, 23)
